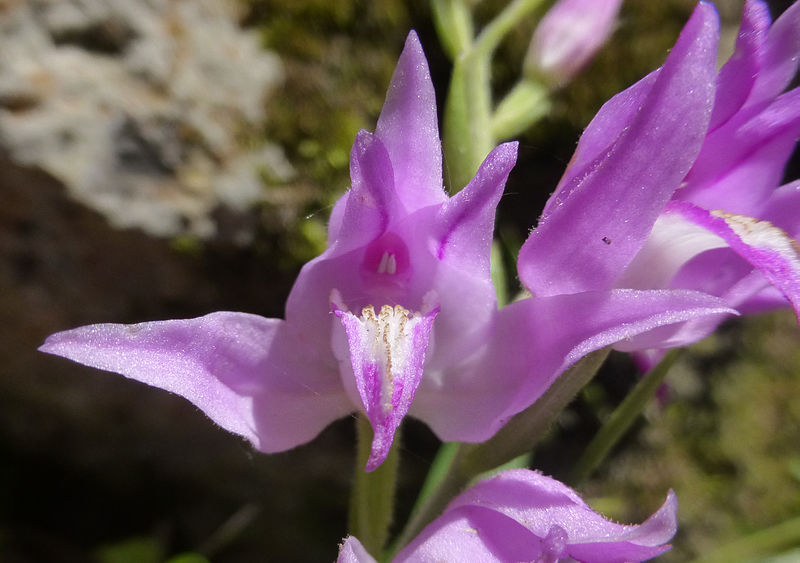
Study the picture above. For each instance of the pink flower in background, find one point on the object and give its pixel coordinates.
(522, 515)
(568, 36)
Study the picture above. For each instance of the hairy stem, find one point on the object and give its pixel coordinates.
(622, 419)
(372, 497)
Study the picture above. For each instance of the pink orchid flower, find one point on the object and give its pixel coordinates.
(522, 515)
(399, 315)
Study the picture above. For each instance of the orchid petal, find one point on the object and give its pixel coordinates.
(387, 356)
(475, 534)
(601, 222)
(351, 551)
(467, 219)
(371, 200)
(672, 243)
(727, 275)
(233, 366)
(462, 246)
(766, 247)
(613, 118)
(781, 210)
(742, 161)
(562, 329)
(746, 187)
(522, 515)
(409, 129)
(716, 271)
(535, 340)
(782, 53)
(769, 298)
(712, 272)
(360, 217)
(738, 75)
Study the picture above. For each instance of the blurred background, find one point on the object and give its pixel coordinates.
(169, 158)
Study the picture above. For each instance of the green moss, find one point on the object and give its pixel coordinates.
(338, 59)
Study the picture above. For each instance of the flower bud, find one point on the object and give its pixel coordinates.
(568, 37)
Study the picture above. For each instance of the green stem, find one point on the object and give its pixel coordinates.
(372, 498)
(516, 438)
(468, 133)
(440, 467)
(453, 22)
(524, 105)
(467, 119)
(494, 32)
(622, 419)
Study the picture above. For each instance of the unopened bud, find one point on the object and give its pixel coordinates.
(568, 36)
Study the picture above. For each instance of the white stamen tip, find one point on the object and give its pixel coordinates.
(382, 265)
(388, 264)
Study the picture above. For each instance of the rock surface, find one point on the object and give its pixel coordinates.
(147, 110)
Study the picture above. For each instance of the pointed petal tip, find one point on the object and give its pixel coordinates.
(668, 513)
(54, 346)
(509, 149)
(707, 13)
(361, 145)
(63, 342)
(408, 127)
(376, 459)
(706, 6)
(412, 39)
(412, 48)
(700, 34)
(47, 346)
(661, 526)
(382, 440)
(672, 500)
(352, 551)
(503, 157)
(363, 137)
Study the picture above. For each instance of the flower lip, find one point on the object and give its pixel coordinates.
(385, 358)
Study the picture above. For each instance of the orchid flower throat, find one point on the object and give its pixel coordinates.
(387, 338)
(386, 261)
(386, 344)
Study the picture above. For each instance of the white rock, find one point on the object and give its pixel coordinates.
(139, 106)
